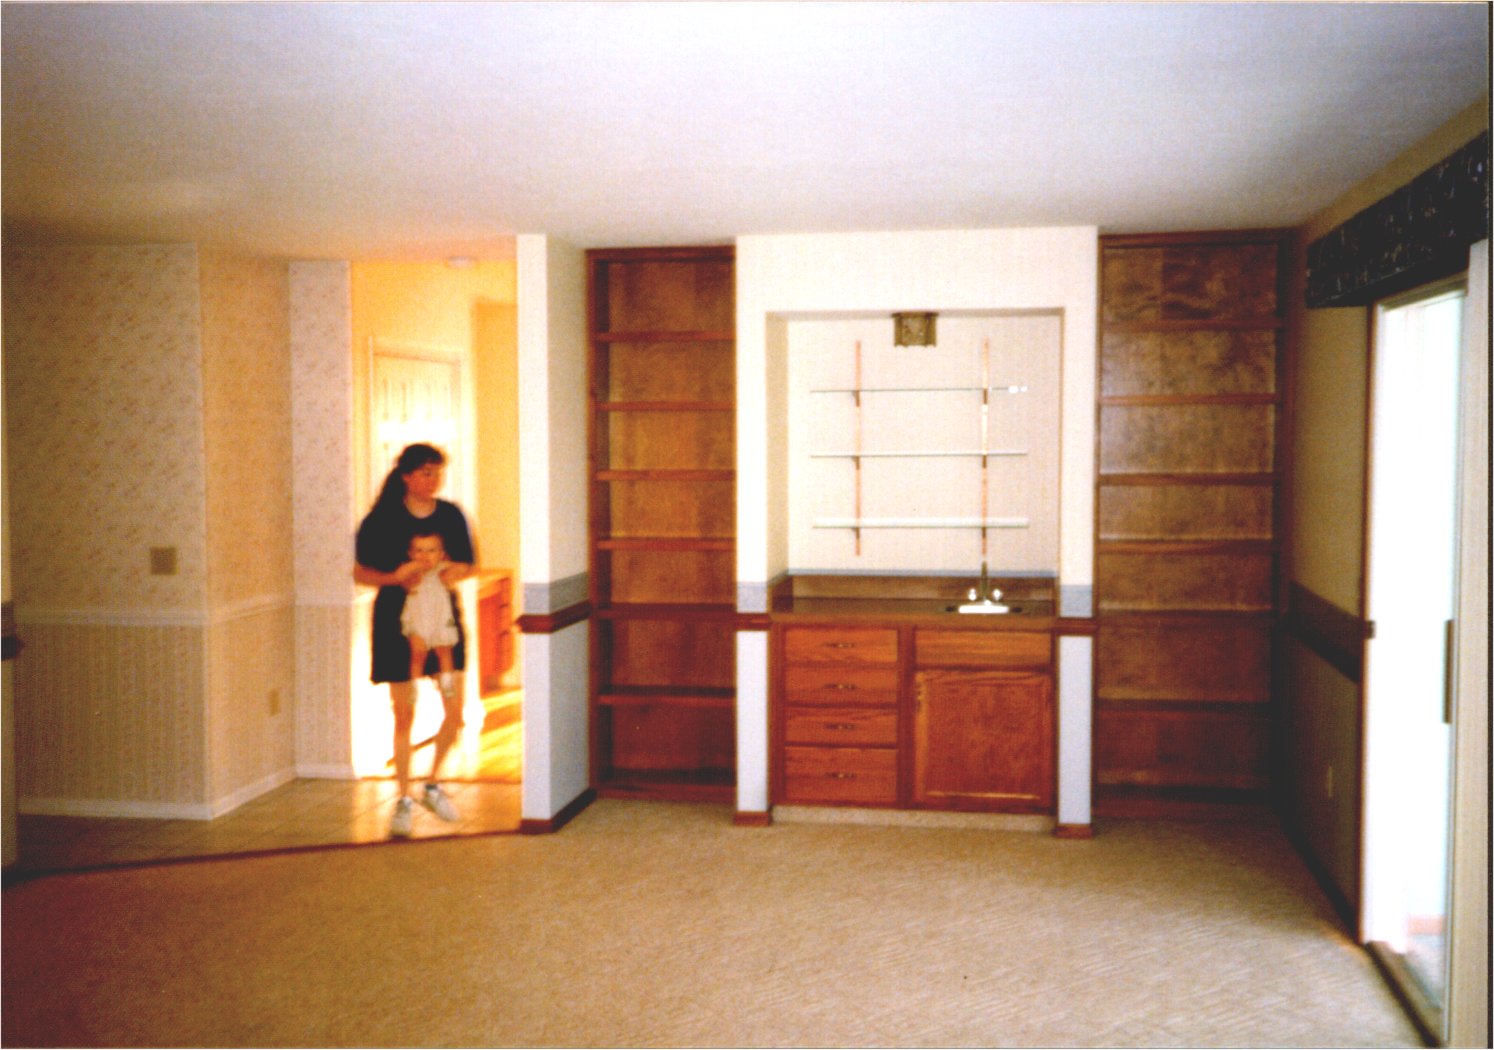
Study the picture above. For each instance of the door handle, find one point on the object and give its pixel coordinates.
(1449, 670)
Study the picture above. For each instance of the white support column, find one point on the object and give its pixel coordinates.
(552, 519)
(752, 721)
(1075, 717)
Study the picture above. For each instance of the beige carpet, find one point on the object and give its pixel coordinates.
(659, 925)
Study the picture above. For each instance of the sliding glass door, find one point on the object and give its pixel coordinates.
(1411, 593)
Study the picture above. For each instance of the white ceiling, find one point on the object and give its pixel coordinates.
(420, 130)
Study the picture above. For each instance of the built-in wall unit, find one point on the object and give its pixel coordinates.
(1189, 480)
(662, 467)
(914, 519)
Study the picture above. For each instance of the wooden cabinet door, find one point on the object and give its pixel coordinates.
(983, 740)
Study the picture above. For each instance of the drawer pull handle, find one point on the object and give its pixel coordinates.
(840, 725)
(841, 776)
(840, 645)
(849, 687)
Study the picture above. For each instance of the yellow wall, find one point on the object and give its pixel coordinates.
(1332, 361)
(467, 309)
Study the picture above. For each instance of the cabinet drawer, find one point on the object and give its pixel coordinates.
(840, 685)
(983, 648)
(840, 645)
(840, 774)
(841, 725)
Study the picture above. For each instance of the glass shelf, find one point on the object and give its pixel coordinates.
(1020, 388)
(931, 454)
(922, 523)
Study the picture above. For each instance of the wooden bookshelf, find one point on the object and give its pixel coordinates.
(662, 439)
(1189, 485)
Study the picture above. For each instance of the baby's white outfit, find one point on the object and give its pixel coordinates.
(428, 612)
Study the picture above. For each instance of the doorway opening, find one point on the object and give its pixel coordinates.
(437, 362)
(1411, 590)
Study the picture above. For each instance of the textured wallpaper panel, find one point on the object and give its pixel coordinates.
(322, 429)
(247, 427)
(111, 713)
(104, 417)
(324, 690)
(251, 683)
(322, 480)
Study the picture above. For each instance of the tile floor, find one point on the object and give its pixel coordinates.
(303, 814)
(300, 814)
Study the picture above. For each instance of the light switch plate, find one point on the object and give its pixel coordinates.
(163, 561)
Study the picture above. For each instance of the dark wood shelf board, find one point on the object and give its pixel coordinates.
(665, 406)
(1118, 699)
(660, 474)
(666, 543)
(682, 253)
(667, 696)
(668, 611)
(1220, 324)
(1111, 609)
(1125, 400)
(1189, 478)
(708, 335)
(1184, 617)
(1185, 546)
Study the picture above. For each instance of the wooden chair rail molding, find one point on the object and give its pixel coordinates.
(559, 620)
(1338, 637)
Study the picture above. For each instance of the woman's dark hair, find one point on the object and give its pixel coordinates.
(410, 460)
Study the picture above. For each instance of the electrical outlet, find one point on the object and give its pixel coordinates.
(274, 701)
(163, 561)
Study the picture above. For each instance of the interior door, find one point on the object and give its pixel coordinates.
(416, 396)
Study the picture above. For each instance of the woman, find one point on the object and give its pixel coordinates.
(407, 504)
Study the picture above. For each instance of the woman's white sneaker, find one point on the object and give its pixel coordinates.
(403, 819)
(439, 803)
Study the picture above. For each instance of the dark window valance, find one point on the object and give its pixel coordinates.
(1419, 233)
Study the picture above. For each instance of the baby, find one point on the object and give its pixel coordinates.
(428, 620)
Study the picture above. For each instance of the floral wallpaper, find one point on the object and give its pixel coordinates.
(148, 406)
(105, 456)
(246, 423)
(321, 429)
(322, 480)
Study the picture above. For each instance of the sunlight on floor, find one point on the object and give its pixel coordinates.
(483, 777)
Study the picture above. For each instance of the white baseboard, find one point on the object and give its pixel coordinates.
(135, 810)
(229, 803)
(105, 807)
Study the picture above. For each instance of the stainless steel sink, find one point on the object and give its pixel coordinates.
(982, 608)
